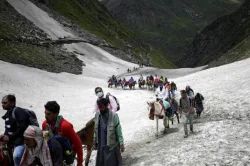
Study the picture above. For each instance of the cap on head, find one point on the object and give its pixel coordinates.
(52, 106)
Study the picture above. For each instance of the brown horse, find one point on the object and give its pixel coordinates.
(132, 85)
(6, 154)
(86, 135)
(150, 84)
(142, 84)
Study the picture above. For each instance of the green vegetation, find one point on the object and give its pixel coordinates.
(93, 17)
(240, 52)
(169, 25)
(39, 57)
(160, 61)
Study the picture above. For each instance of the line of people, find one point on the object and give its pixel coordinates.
(185, 109)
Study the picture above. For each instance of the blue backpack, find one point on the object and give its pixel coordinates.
(68, 157)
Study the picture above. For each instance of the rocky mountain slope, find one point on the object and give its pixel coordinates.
(21, 42)
(226, 40)
(93, 18)
(169, 25)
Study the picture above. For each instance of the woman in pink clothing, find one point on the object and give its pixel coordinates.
(112, 102)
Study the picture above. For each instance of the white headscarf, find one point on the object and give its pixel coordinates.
(41, 150)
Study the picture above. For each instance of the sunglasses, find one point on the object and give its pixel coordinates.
(4, 102)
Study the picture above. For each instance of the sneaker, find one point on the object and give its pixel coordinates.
(185, 136)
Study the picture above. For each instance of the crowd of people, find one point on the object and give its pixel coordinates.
(39, 146)
(56, 142)
(188, 104)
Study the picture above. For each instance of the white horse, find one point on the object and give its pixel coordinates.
(157, 110)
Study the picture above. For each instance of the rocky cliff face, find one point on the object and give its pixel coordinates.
(169, 25)
(21, 43)
(226, 37)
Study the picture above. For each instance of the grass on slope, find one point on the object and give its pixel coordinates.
(92, 16)
(45, 58)
(240, 52)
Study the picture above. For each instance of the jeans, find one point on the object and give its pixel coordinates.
(185, 120)
(18, 154)
(172, 93)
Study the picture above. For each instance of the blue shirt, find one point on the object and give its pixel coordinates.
(166, 104)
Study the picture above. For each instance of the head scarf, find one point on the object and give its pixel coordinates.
(41, 150)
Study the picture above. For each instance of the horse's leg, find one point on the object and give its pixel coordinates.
(165, 124)
(157, 131)
(167, 121)
(89, 151)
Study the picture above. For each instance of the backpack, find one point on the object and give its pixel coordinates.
(117, 102)
(68, 156)
(32, 116)
(199, 98)
(190, 102)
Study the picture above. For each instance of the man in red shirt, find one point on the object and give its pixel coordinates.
(59, 126)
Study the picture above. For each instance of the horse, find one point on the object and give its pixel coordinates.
(142, 84)
(157, 110)
(149, 84)
(119, 83)
(156, 85)
(86, 135)
(6, 155)
(132, 85)
(126, 85)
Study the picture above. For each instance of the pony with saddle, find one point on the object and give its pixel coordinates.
(132, 85)
(157, 111)
(149, 84)
(118, 83)
(141, 84)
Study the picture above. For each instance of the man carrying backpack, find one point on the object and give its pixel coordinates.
(186, 107)
(16, 122)
(56, 125)
(113, 102)
(108, 139)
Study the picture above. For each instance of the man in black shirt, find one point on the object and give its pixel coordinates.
(15, 125)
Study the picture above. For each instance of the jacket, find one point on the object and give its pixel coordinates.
(14, 128)
(161, 94)
(112, 105)
(131, 80)
(186, 105)
(66, 130)
(156, 80)
(114, 130)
